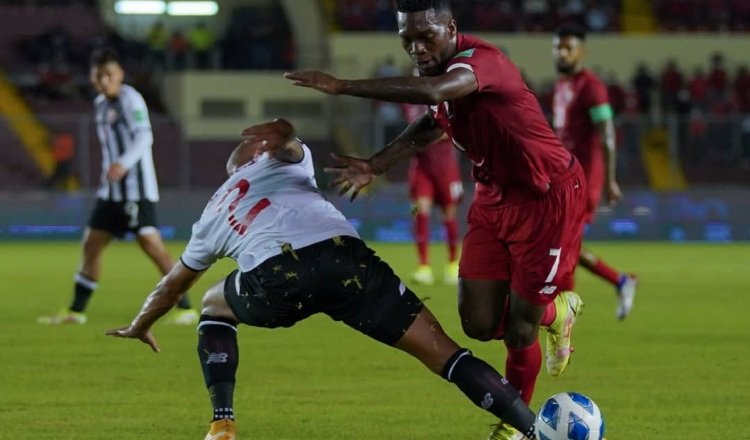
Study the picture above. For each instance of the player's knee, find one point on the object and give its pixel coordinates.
(519, 334)
(475, 329)
(214, 304)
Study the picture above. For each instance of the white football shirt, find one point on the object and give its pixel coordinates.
(265, 204)
(124, 130)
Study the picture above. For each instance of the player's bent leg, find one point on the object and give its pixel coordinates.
(450, 274)
(521, 339)
(150, 241)
(625, 283)
(426, 340)
(480, 305)
(423, 274)
(93, 244)
(219, 356)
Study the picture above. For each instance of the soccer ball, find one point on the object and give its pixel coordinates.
(570, 416)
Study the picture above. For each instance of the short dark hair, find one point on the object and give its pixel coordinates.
(103, 56)
(572, 30)
(423, 5)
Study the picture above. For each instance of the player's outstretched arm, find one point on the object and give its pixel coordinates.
(416, 90)
(166, 294)
(354, 174)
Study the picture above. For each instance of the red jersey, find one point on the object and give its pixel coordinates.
(438, 159)
(574, 96)
(500, 127)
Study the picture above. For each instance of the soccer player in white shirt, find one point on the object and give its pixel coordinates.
(128, 191)
(298, 256)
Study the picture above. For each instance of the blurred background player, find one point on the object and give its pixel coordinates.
(583, 119)
(128, 192)
(434, 177)
(311, 262)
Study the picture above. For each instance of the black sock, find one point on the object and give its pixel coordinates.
(184, 302)
(219, 356)
(84, 287)
(489, 390)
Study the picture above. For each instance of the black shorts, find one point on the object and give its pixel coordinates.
(340, 277)
(119, 218)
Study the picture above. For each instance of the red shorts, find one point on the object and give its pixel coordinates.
(534, 243)
(443, 191)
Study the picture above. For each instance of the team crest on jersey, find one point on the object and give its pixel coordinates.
(468, 53)
(112, 115)
(139, 115)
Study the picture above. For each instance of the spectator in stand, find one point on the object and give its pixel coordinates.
(616, 93)
(671, 84)
(644, 84)
(157, 45)
(699, 89)
(178, 50)
(202, 43)
(717, 77)
(63, 151)
(741, 89)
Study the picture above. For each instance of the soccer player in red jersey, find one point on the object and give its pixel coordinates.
(434, 178)
(583, 119)
(527, 216)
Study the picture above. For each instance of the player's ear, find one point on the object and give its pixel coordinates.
(452, 27)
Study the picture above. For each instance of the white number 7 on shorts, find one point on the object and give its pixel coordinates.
(554, 252)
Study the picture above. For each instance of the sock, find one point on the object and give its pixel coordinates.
(550, 313)
(422, 236)
(184, 302)
(602, 270)
(451, 238)
(489, 390)
(84, 287)
(219, 356)
(522, 367)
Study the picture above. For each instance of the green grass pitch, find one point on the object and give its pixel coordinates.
(677, 369)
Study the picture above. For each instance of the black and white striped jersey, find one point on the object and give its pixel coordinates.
(124, 131)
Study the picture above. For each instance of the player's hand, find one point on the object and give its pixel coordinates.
(130, 333)
(612, 193)
(317, 80)
(268, 136)
(350, 174)
(116, 172)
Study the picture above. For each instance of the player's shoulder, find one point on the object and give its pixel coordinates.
(129, 94)
(590, 77)
(469, 46)
(99, 100)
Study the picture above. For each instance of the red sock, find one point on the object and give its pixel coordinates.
(602, 270)
(550, 313)
(522, 367)
(451, 237)
(422, 236)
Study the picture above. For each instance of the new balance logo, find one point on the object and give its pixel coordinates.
(548, 290)
(217, 358)
(487, 401)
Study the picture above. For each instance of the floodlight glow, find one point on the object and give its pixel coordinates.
(193, 8)
(140, 7)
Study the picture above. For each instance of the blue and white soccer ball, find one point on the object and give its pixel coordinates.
(569, 416)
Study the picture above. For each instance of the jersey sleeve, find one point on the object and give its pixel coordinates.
(492, 69)
(199, 255)
(135, 113)
(596, 101)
